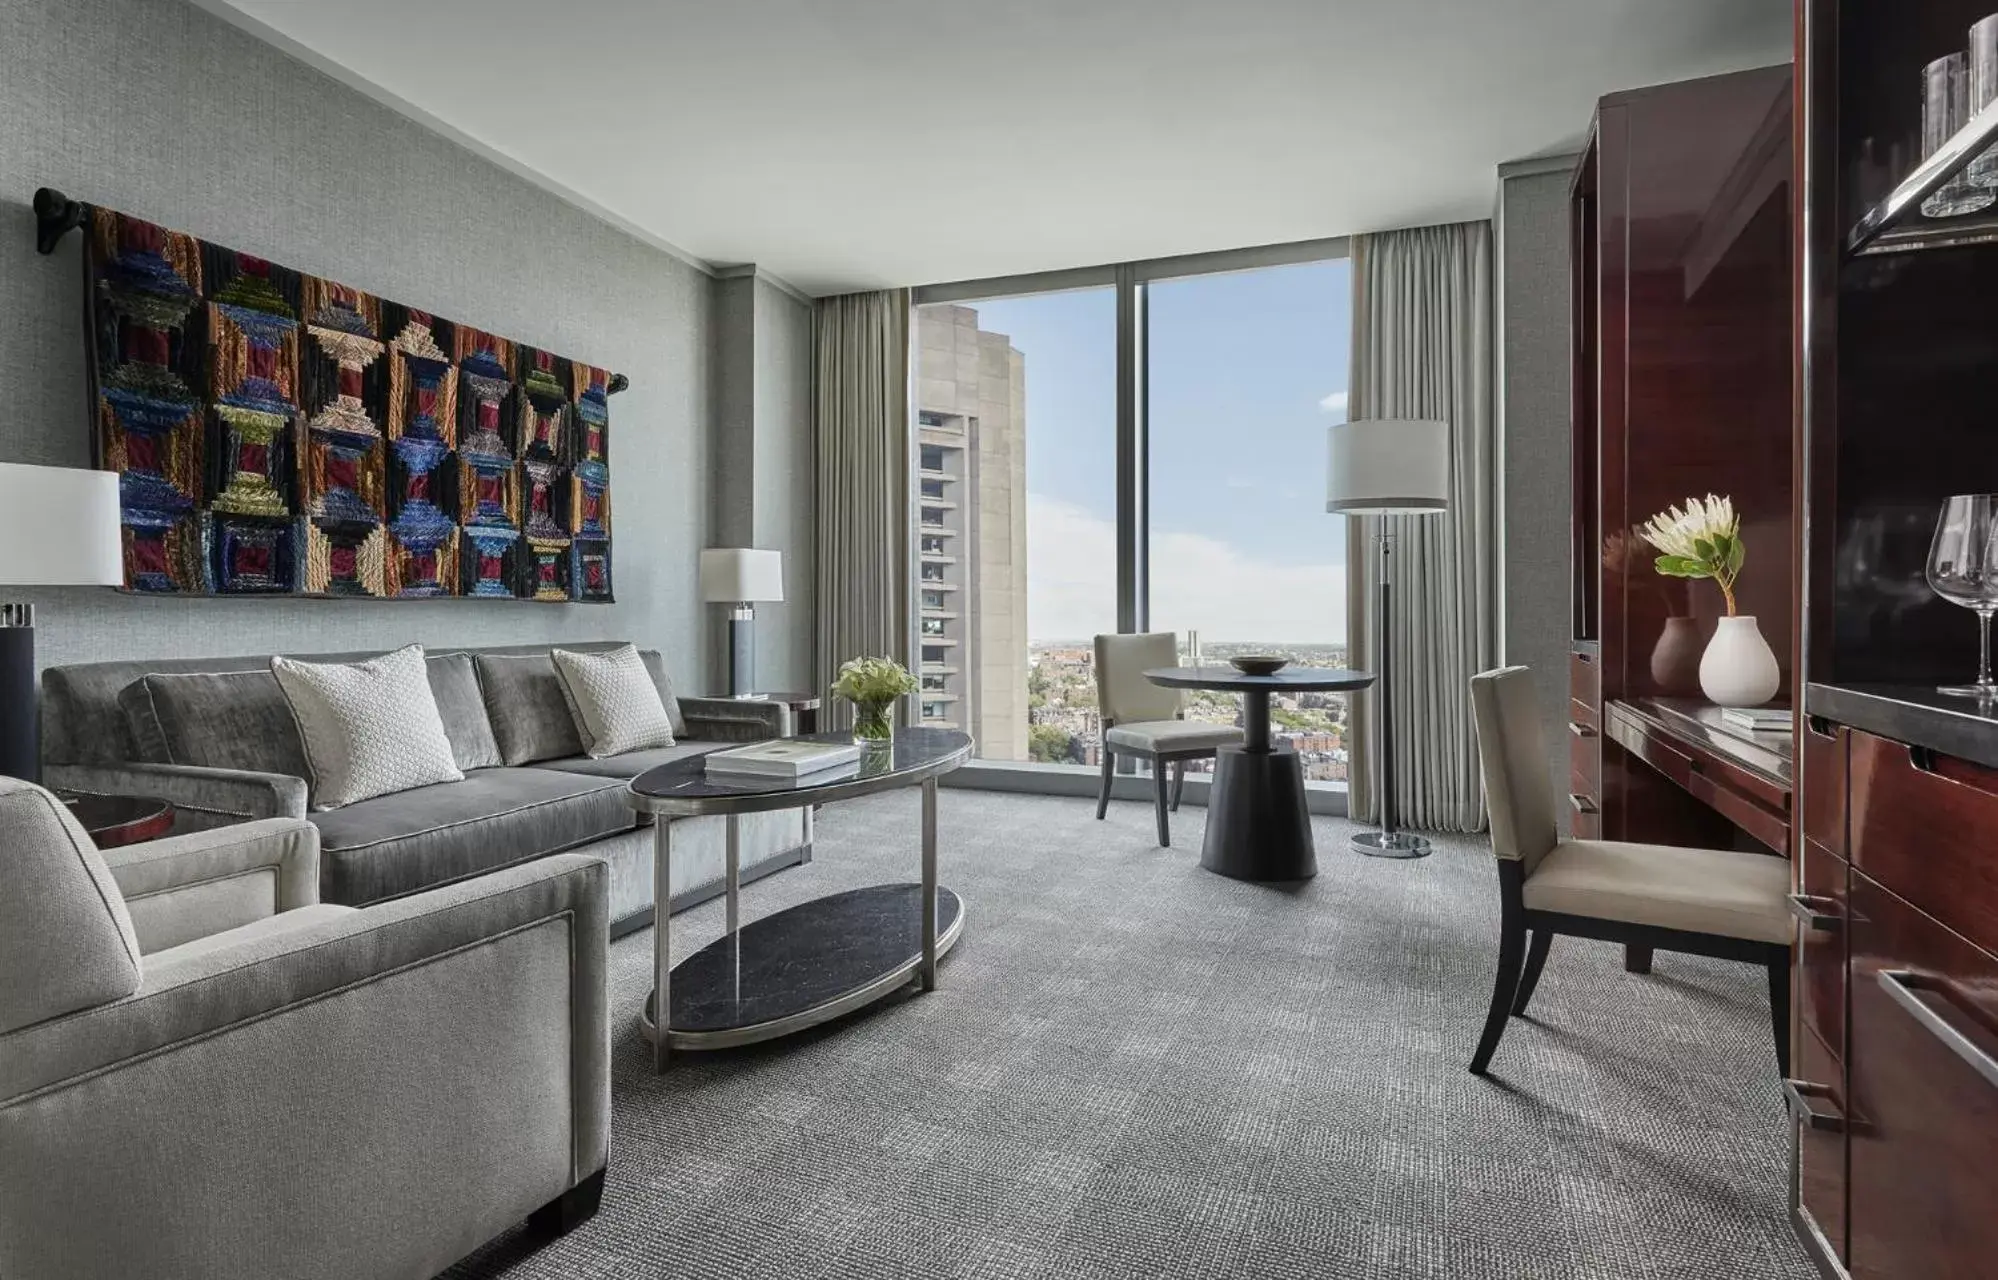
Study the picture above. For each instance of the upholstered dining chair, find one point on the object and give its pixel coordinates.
(1145, 721)
(1706, 902)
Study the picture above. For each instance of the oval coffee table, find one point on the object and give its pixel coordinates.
(811, 962)
(1257, 824)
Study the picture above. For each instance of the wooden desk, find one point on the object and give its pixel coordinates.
(1745, 777)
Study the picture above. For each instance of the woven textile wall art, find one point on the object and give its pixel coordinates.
(279, 434)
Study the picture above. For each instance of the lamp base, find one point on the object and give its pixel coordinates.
(20, 725)
(1380, 844)
(741, 651)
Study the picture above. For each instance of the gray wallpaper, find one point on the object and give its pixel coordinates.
(1534, 392)
(161, 110)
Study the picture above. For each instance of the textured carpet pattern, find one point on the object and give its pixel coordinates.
(1134, 1068)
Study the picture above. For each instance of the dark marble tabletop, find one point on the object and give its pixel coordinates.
(1288, 680)
(682, 788)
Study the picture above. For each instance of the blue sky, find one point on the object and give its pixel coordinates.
(1247, 371)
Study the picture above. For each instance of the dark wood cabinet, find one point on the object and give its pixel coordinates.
(1923, 1095)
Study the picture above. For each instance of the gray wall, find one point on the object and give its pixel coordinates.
(1533, 384)
(161, 110)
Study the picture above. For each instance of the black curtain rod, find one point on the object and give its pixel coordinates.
(56, 215)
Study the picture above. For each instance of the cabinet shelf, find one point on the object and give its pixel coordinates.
(1896, 225)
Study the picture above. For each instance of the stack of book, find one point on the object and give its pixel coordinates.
(1758, 719)
(783, 760)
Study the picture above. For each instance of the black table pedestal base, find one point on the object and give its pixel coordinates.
(1257, 825)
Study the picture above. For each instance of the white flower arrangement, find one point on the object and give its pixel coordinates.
(1701, 541)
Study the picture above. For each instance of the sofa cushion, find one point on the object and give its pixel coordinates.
(411, 840)
(216, 720)
(454, 682)
(631, 763)
(529, 712)
(613, 701)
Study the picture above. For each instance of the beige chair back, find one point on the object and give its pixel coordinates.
(1518, 792)
(1122, 692)
(66, 940)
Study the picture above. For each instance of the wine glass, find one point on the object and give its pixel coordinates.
(1963, 569)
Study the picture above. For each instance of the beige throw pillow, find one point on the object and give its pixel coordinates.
(616, 706)
(369, 728)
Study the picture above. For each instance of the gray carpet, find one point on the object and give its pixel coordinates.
(1134, 1068)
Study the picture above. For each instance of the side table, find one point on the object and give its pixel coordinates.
(804, 708)
(116, 821)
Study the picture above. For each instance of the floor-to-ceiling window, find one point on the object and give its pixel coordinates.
(1142, 445)
(1016, 516)
(1245, 371)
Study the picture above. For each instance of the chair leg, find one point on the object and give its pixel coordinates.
(1512, 942)
(1536, 958)
(1159, 786)
(1178, 782)
(1779, 1011)
(1103, 791)
(569, 1210)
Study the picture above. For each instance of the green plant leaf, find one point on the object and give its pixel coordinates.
(1703, 549)
(1736, 553)
(1682, 567)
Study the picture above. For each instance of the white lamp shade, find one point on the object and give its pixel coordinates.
(59, 527)
(1389, 466)
(733, 575)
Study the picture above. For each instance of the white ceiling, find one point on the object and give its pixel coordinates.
(851, 144)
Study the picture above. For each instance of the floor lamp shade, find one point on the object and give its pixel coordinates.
(58, 528)
(1388, 466)
(1383, 467)
(741, 576)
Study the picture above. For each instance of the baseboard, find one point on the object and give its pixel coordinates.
(642, 918)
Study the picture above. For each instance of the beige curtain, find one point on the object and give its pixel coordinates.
(1422, 348)
(861, 428)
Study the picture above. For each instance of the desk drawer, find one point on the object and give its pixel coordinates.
(1585, 755)
(1584, 810)
(1585, 679)
(1822, 747)
(1817, 1106)
(1820, 906)
(1922, 824)
(1922, 1094)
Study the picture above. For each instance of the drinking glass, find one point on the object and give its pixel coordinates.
(1945, 109)
(1963, 569)
(1983, 171)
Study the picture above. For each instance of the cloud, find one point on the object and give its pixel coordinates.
(1198, 583)
(1334, 403)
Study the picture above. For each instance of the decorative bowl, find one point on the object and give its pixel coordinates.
(1258, 664)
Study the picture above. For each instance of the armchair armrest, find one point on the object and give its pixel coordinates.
(439, 1063)
(201, 797)
(735, 719)
(204, 882)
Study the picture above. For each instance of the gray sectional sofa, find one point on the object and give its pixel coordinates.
(215, 737)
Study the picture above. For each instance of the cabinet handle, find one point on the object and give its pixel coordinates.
(1581, 804)
(1903, 985)
(1817, 913)
(1581, 730)
(1820, 727)
(1799, 1094)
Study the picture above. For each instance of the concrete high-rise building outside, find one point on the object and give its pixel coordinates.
(972, 530)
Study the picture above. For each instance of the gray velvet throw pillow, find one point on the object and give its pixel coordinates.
(529, 712)
(455, 682)
(369, 728)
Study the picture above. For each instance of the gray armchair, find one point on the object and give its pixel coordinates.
(226, 1078)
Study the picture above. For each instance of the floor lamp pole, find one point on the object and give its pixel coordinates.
(1386, 842)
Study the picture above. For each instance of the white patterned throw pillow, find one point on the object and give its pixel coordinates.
(611, 696)
(369, 728)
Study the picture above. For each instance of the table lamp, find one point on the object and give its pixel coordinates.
(1388, 467)
(58, 528)
(741, 576)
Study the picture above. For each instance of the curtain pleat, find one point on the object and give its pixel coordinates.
(1422, 348)
(862, 437)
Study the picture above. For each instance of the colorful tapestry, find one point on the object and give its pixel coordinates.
(279, 434)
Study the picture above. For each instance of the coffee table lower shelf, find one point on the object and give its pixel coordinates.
(802, 966)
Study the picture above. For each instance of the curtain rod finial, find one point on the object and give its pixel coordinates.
(618, 382)
(56, 215)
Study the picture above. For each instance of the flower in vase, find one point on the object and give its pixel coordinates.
(1703, 540)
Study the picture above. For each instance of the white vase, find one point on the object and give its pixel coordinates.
(1675, 659)
(1738, 668)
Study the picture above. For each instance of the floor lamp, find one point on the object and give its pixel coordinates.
(58, 528)
(1388, 467)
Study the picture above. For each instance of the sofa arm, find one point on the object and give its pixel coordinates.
(735, 719)
(204, 882)
(372, 1092)
(201, 797)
